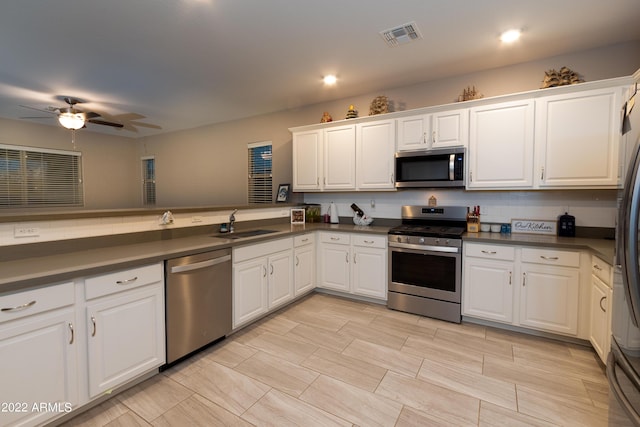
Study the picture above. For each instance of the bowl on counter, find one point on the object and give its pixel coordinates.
(495, 228)
(485, 227)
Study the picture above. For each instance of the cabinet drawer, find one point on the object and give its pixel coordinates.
(337, 238)
(551, 257)
(502, 252)
(304, 239)
(122, 280)
(601, 269)
(369, 241)
(27, 303)
(244, 253)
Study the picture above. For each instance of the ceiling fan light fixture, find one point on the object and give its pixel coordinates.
(71, 120)
(510, 36)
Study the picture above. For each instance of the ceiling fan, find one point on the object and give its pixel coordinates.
(71, 117)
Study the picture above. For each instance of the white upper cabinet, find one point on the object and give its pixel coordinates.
(450, 128)
(340, 158)
(413, 132)
(577, 139)
(436, 130)
(375, 155)
(501, 145)
(307, 160)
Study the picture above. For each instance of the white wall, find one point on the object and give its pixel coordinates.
(590, 207)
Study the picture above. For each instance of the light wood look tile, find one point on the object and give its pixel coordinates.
(496, 416)
(278, 409)
(226, 387)
(278, 373)
(355, 371)
(454, 407)
(388, 358)
(197, 411)
(284, 347)
(352, 403)
(327, 360)
(485, 388)
(154, 396)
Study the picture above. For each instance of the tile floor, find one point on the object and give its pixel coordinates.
(331, 361)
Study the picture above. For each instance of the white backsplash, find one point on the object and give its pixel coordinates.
(92, 227)
(592, 208)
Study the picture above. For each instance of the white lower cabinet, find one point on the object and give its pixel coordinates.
(601, 302)
(537, 288)
(125, 326)
(353, 263)
(262, 279)
(304, 254)
(39, 351)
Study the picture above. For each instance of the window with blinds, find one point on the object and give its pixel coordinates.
(260, 178)
(31, 177)
(148, 181)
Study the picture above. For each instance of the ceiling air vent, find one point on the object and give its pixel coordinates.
(401, 35)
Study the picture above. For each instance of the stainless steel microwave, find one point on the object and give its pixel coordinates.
(442, 167)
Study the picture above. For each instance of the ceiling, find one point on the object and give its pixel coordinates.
(179, 64)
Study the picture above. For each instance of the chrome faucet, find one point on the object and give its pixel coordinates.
(232, 219)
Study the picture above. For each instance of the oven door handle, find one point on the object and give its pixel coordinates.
(425, 248)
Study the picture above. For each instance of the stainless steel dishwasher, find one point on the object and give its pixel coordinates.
(198, 301)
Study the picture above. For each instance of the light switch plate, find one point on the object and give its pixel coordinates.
(26, 232)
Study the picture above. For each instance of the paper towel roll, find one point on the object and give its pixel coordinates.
(333, 214)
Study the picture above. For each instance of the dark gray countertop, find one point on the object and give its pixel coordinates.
(38, 271)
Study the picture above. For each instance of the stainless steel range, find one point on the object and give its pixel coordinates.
(425, 261)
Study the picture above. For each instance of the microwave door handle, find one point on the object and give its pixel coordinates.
(452, 160)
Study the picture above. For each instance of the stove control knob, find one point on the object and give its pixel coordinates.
(447, 242)
(399, 239)
(421, 240)
(437, 241)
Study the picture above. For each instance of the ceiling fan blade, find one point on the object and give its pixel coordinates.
(91, 115)
(105, 123)
(37, 117)
(145, 125)
(52, 111)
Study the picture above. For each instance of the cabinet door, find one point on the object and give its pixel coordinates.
(450, 128)
(280, 278)
(413, 133)
(304, 273)
(307, 160)
(126, 337)
(501, 146)
(369, 269)
(334, 267)
(576, 139)
(488, 289)
(375, 155)
(600, 328)
(340, 158)
(39, 365)
(549, 298)
(249, 290)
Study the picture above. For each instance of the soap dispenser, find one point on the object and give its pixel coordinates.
(333, 214)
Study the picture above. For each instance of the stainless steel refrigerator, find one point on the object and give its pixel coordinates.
(623, 364)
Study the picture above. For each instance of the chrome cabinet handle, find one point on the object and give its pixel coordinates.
(433, 136)
(306, 239)
(392, 181)
(489, 252)
(542, 174)
(93, 322)
(335, 238)
(264, 271)
(524, 279)
(509, 278)
(72, 333)
(549, 258)
(369, 242)
(297, 261)
(126, 281)
(470, 176)
(597, 267)
(354, 259)
(602, 308)
(346, 257)
(19, 307)
(271, 269)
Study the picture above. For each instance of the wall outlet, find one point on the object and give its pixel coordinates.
(196, 219)
(26, 232)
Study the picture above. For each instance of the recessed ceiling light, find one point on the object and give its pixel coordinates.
(510, 36)
(330, 80)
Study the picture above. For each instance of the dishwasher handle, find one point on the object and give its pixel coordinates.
(201, 264)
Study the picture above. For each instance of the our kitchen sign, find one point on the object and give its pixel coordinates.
(533, 226)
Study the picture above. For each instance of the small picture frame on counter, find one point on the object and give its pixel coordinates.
(297, 216)
(283, 193)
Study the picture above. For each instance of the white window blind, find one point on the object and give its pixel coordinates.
(260, 178)
(39, 177)
(148, 181)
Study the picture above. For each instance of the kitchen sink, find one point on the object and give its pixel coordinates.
(243, 234)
